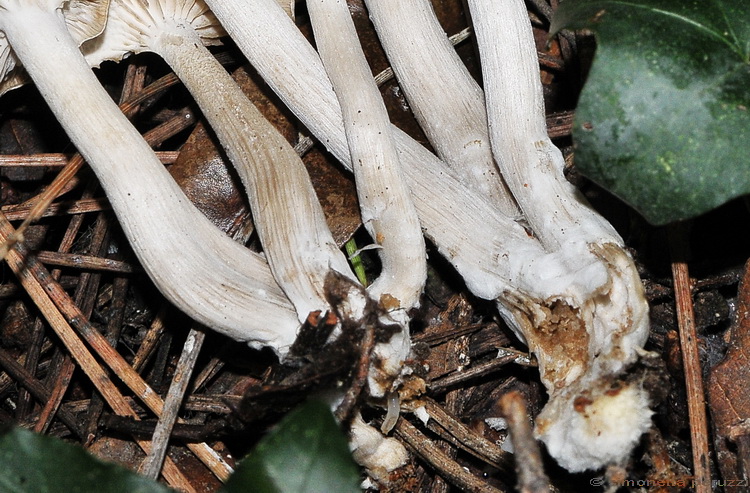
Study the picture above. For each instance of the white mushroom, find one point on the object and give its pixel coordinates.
(387, 209)
(577, 302)
(469, 232)
(288, 217)
(200, 270)
(447, 102)
(587, 334)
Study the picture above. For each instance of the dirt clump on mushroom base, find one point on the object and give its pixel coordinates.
(559, 341)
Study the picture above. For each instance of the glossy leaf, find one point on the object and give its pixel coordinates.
(306, 453)
(663, 121)
(33, 463)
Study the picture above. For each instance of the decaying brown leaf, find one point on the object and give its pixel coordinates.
(211, 184)
(728, 396)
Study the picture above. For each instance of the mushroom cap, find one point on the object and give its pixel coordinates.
(288, 6)
(85, 19)
(132, 25)
(11, 73)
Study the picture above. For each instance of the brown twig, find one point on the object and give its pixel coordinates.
(90, 282)
(211, 403)
(480, 370)
(531, 476)
(60, 160)
(466, 439)
(54, 399)
(86, 262)
(435, 338)
(135, 79)
(150, 341)
(178, 122)
(560, 124)
(13, 290)
(82, 206)
(443, 465)
(690, 358)
(214, 366)
(25, 401)
(30, 272)
(180, 431)
(152, 465)
(18, 259)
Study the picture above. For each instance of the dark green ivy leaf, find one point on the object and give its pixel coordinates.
(32, 463)
(663, 121)
(306, 453)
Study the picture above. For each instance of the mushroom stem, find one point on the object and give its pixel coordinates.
(589, 333)
(204, 273)
(447, 102)
(531, 164)
(287, 214)
(388, 212)
(469, 232)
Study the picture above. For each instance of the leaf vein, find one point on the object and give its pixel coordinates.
(734, 46)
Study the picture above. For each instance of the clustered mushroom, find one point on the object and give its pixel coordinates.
(600, 321)
(204, 273)
(288, 217)
(495, 202)
(387, 210)
(452, 114)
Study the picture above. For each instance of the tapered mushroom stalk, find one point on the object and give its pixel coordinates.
(589, 333)
(388, 212)
(577, 302)
(287, 215)
(204, 273)
(447, 102)
(469, 232)
(493, 253)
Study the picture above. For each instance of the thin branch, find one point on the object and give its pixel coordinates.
(54, 398)
(446, 467)
(150, 341)
(87, 262)
(690, 359)
(529, 466)
(82, 206)
(184, 370)
(467, 439)
(480, 370)
(60, 160)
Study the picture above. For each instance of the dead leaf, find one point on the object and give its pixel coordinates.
(728, 381)
(212, 185)
(336, 194)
